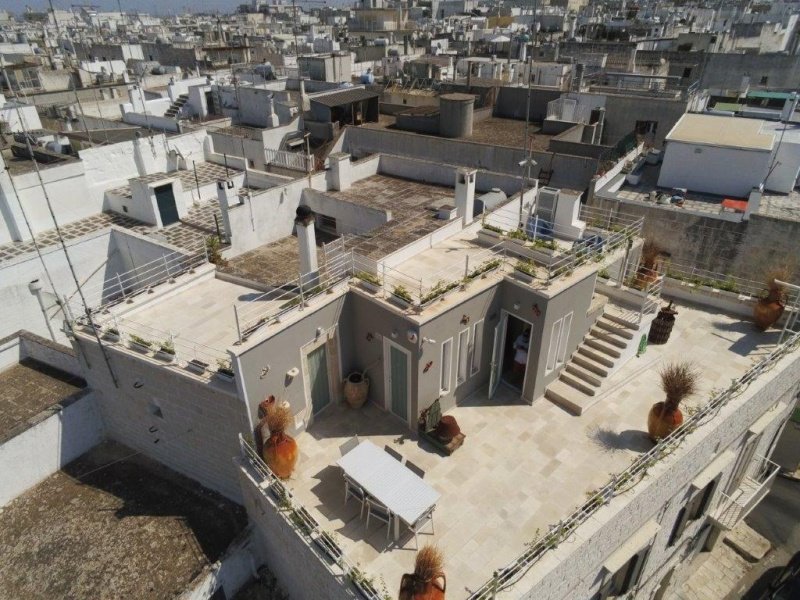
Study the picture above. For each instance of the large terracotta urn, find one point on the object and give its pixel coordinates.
(678, 380)
(428, 581)
(279, 449)
(663, 420)
(767, 311)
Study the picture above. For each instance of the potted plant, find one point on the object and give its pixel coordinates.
(166, 351)
(518, 236)
(428, 581)
(330, 546)
(139, 344)
(111, 334)
(197, 366)
(368, 281)
(364, 584)
(224, 370)
(484, 268)
(280, 449)
(525, 270)
(491, 231)
(678, 380)
(770, 306)
(402, 296)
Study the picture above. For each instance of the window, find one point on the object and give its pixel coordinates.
(462, 363)
(251, 163)
(326, 223)
(624, 567)
(563, 339)
(476, 350)
(628, 576)
(447, 352)
(552, 351)
(559, 340)
(695, 508)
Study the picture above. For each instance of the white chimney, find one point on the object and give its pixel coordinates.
(305, 103)
(307, 242)
(465, 194)
(272, 118)
(341, 171)
(226, 195)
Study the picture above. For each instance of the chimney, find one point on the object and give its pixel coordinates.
(272, 118)
(305, 103)
(789, 107)
(465, 194)
(577, 77)
(341, 171)
(307, 242)
(753, 202)
(226, 193)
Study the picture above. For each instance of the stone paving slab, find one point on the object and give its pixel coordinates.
(747, 542)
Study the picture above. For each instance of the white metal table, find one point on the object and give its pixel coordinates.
(389, 482)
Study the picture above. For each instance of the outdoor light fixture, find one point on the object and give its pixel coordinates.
(516, 305)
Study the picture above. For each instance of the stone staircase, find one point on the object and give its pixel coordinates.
(176, 106)
(600, 353)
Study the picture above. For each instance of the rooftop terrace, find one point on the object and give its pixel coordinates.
(93, 530)
(521, 468)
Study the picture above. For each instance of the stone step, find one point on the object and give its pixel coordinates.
(595, 355)
(621, 316)
(576, 382)
(585, 362)
(609, 337)
(603, 347)
(614, 327)
(568, 397)
(581, 372)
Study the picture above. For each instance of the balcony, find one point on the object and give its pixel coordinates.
(755, 485)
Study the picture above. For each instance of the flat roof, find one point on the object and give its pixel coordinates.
(344, 97)
(715, 130)
(770, 95)
(522, 467)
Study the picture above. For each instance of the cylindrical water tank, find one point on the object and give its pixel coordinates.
(455, 115)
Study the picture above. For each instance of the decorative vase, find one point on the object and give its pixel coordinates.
(413, 588)
(356, 389)
(280, 454)
(661, 421)
(767, 311)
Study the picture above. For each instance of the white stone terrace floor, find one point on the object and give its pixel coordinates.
(521, 467)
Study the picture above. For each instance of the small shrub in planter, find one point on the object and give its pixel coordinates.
(330, 546)
(518, 236)
(484, 268)
(440, 289)
(402, 294)
(364, 584)
(166, 351)
(525, 269)
(224, 370)
(111, 334)
(543, 244)
(197, 366)
(369, 281)
(139, 343)
(491, 228)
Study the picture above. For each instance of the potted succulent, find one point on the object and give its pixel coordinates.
(139, 344)
(368, 281)
(678, 380)
(279, 449)
(166, 351)
(224, 370)
(770, 306)
(428, 581)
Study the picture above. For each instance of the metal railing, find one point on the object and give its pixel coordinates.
(750, 491)
(509, 575)
(289, 160)
(291, 296)
(306, 526)
(142, 278)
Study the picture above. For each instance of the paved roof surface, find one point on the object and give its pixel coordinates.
(344, 97)
(714, 130)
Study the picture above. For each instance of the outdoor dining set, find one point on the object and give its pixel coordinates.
(389, 489)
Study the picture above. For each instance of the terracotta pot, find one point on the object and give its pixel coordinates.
(412, 588)
(280, 454)
(766, 312)
(447, 428)
(262, 431)
(662, 421)
(356, 389)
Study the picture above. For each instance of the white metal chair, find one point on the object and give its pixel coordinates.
(352, 489)
(417, 526)
(393, 453)
(420, 472)
(378, 511)
(349, 445)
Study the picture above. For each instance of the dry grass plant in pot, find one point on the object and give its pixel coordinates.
(770, 306)
(648, 264)
(280, 449)
(678, 380)
(428, 581)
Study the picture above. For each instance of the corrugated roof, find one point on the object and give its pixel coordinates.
(344, 97)
(712, 130)
(769, 95)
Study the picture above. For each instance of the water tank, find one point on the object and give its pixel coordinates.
(455, 115)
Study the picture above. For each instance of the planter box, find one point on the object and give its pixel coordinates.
(111, 337)
(366, 590)
(369, 286)
(733, 302)
(401, 302)
(523, 276)
(197, 366)
(496, 235)
(329, 547)
(139, 347)
(229, 377)
(634, 178)
(167, 357)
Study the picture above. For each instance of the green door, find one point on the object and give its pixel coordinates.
(318, 378)
(166, 205)
(398, 383)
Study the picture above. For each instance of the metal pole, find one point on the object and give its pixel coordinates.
(38, 293)
(166, 265)
(238, 326)
(216, 224)
(196, 180)
(121, 289)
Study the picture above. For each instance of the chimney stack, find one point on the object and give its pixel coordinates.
(465, 194)
(341, 171)
(226, 195)
(307, 242)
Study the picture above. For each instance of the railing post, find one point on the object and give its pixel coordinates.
(383, 279)
(166, 266)
(238, 326)
(495, 578)
(121, 289)
(466, 267)
(302, 300)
